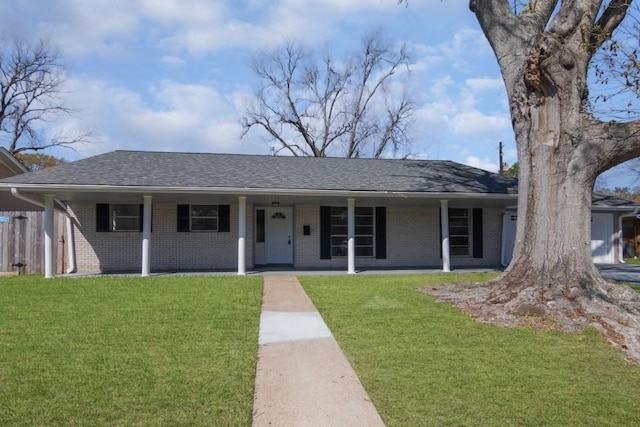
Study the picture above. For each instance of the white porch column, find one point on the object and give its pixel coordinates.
(71, 246)
(351, 237)
(49, 268)
(146, 236)
(444, 220)
(242, 231)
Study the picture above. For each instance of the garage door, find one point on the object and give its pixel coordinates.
(602, 238)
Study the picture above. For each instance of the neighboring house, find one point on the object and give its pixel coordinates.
(153, 211)
(608, 216)
(631, 236)
(9, 167)
(22, 227)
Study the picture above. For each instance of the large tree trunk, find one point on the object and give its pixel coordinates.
(551, 281)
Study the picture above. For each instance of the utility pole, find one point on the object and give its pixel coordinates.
(500, 146)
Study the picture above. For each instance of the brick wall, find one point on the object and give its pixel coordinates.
(170, 250)
(413, 240)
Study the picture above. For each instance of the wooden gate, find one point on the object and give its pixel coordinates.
(22, 242)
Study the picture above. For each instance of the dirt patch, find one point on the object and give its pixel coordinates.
(612, 309)
(9, 273)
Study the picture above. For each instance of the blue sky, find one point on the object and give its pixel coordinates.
(173, 75)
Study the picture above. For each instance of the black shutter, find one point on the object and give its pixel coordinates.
(381, 232)
(102, 217)
(183, 218)
(224, 218)
(477, 233)
(325, 232)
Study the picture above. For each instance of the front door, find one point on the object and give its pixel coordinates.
(279, 235)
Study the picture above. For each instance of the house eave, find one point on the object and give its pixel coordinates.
(57, 188)
(614, 208)
(11, 162)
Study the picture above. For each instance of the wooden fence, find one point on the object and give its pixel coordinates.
(22, 242)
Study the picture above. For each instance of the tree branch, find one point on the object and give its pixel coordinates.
(328, 105)
(31, 89)
(608, 22)
(609, 144)
(504, 33)
(538, 13)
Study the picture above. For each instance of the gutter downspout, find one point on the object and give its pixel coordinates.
(634, 214)
(71, 247)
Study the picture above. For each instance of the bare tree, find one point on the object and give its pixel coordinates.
(326, 107)
(31, 90)
(616, 72)
(545, 51)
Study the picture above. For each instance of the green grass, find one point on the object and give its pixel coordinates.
(128, 351)
(632, 261)
(425, 363)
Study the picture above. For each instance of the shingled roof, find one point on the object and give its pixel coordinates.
(200, 170)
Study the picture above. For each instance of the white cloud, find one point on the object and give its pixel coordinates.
(80, 26)
(173, 61)
(459, 52)
(173, 117)
(184, 13)
(511, 155)
(481, 84)
(481, 163)
(475, 123)
(195, 26)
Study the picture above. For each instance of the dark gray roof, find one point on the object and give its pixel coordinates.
(607, 201)
(176, 170)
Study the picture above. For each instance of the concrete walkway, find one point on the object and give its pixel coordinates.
(303, 378)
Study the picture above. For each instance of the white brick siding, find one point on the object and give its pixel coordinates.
(170, 250)
(413, 240)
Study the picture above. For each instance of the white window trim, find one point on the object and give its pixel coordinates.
(216, 217)
(113, 218)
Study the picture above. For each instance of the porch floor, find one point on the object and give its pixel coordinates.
(288, 271)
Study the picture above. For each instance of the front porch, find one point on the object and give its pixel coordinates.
(331, 234)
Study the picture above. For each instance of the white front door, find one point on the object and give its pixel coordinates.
(279, 235)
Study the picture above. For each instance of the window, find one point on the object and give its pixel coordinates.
(119, 217)
(125, 217)
(204, 217)
(459, 231)
(364, 231)
(260, 214)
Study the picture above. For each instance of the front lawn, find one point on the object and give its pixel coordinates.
(128, 351)
(426, 363)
